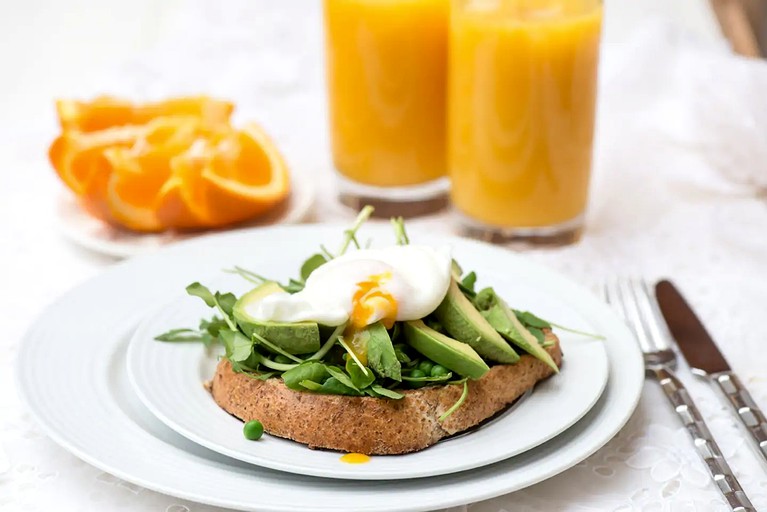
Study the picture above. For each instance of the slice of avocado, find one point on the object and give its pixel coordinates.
(294, 338)
(452, 354)
(463, 322)
(503, 320)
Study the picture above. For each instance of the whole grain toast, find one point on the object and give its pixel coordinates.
(376, 426)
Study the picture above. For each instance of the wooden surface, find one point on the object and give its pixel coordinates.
(743, 23)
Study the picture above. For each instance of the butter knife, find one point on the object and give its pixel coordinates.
(707, 361)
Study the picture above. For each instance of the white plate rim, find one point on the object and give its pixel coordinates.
(581, 392)
(613, 411)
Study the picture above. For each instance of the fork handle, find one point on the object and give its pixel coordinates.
(703, 440)
(745, 407)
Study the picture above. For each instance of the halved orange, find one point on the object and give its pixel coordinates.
(137, 174)
(176, 164)
(78, 157)
(106, 112)
(239, 176)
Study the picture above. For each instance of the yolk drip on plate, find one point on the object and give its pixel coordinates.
(371, 303)
(355, 458)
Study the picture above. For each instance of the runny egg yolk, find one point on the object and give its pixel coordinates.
(371, 303)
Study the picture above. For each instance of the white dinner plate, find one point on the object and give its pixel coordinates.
(168, 378)
(72, 374)
(101, 237)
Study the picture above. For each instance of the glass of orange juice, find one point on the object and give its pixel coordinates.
(386, 71)
(522, 90)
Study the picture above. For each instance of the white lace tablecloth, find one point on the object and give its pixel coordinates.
(679, 191)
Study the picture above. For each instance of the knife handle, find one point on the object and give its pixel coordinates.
(704, 442)
(748, 412)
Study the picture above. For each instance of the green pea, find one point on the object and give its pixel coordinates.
(417, 374)
(438, 371)
(253, 430)
(279, 358)
(425, 366)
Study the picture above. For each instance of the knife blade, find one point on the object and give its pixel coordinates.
(691, 336)
(706, 360)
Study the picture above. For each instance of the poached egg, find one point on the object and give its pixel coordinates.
(397, 283)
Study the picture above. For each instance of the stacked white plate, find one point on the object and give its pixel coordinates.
(101, 387)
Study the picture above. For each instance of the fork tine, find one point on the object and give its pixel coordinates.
(615, 293)
(633, 315)
(638, 310)
(658, 328)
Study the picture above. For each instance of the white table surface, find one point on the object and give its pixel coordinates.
(662, 211)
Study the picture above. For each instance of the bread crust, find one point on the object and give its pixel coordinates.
(376, 426)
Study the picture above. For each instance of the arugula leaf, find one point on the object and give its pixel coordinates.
(530, 320)
(388, 393)
(213, 326)
(470, 294)
(311, 264)
(360, 380)
(226, 302)
(197, 290)
(333, 386)
(537, 333)
(238, 346)
(341, 376)
(381, 356)
(469, 281)
(180, 335)
(329, 387)
(310, 385)
(310, 370)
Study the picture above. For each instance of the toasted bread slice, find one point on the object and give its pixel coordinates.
(376, 426)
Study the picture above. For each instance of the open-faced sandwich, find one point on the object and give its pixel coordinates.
(375, 351)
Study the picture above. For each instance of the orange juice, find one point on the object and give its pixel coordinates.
(386, 63)
(522, 93)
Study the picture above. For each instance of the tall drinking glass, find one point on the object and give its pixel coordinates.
(521, 107)
(386, 74)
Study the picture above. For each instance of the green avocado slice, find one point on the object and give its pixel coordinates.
(293, 338)
(465, 323)
(503, 320)
(452, 354)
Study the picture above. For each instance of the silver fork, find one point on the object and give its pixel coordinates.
(637, 304)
